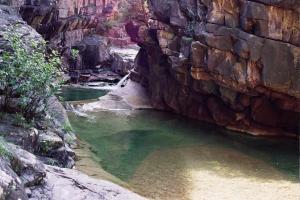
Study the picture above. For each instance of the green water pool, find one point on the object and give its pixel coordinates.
(166, 156)
(79, 94)
(123, 139)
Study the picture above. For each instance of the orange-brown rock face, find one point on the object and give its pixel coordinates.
(68, 20)
(235, 63)
(90, 26)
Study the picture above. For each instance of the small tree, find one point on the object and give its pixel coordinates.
(28, 75)
(74, 54)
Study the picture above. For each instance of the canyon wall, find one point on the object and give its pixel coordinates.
(234, 63)
(90, 26)
(71, 24)
(69, 21)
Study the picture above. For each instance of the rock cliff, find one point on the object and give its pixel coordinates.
(67, 20)
(89, 26)
(234, 63)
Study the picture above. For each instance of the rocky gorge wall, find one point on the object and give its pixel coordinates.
(68, 19)
(72, 24)
(90, 26)
(234, 63)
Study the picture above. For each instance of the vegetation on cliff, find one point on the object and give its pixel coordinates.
(3, 148)
(28, 76)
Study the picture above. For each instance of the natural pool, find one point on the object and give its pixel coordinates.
(165, 156)
(78, 94)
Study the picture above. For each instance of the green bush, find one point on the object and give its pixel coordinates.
(3, 149)
(20, 121)
(28, 75)
(67, 127)
(74, 54)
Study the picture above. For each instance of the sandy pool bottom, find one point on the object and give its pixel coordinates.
(197, 174)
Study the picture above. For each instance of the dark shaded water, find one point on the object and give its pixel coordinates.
(78, 94)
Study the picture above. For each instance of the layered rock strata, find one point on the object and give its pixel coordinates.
(68, 20)
(89, 26)
(234, 63)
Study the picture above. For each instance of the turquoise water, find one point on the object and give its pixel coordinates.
(77, 94)
(165, 156)
(123, 139)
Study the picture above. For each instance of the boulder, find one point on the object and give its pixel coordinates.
(93, 51)
(49, 141)
(120, 65)
(30, 170)
(23, 176)
(11, 186)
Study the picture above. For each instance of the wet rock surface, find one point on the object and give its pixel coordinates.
(233, 63)
(131, 96)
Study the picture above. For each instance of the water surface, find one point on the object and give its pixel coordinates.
(78, 94)
(165, 156)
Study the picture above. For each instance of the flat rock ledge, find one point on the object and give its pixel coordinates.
(65, 184)
(130, 97)
(23, 176)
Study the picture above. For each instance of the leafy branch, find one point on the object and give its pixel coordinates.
(28, 76)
